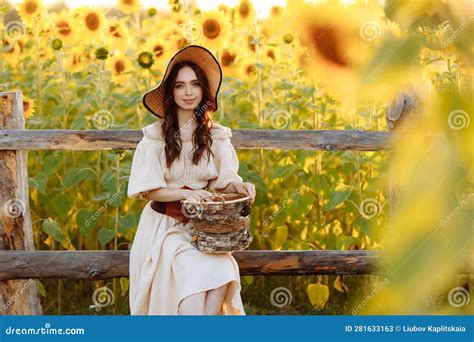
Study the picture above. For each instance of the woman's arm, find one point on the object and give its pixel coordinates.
(172, 195)
(165, 195)
(228, 189)
(245, 188)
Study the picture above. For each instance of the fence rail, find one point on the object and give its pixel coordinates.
(93, 140)
(97, 265)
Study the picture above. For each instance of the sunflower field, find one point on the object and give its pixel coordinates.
(306, 65)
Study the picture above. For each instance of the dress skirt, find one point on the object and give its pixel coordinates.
(165, 268)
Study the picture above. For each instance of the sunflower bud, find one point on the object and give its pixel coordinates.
(145, 59)
(151, 12)
(101, 53)
(288, 38)
(57, 44)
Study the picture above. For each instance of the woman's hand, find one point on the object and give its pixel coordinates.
(245, 188)
(196, 195)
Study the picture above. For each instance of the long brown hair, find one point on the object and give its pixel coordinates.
(202, 140)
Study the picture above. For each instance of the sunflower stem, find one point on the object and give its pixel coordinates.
(39, 70)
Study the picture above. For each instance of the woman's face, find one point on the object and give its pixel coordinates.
(186, 91)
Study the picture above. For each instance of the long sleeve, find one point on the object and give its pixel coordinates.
(147, 171)
(226, 159)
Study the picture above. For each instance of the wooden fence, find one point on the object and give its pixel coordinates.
(19, 263)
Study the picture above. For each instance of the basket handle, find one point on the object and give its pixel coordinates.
(214, 195)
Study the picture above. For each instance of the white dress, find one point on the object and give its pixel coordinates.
(165, 267)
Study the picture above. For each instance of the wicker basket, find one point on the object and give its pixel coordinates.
(220, 225)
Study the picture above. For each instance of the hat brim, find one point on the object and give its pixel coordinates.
(153, 100)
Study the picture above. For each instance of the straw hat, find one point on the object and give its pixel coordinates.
(154, 98)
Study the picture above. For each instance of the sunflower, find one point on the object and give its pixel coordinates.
(128, 6)
(229, 59)
(78, 59)
(30, 11)
(28, 107)
(215, 29)
(337, 43)
(276, 12)
(248, 70)
(11, 51)
(225, 9)
(244, 14)
(270, 55)
(118, 35)
(161, 50)
(120, 67)
(91, 22)
(62, 23)
(178, 18)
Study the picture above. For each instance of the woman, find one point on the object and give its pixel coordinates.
(180, 155)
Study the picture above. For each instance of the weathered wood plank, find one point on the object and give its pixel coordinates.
(17, 297)
(95, 265)
(90, 140)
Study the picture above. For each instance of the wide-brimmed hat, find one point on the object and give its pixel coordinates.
(153, 100)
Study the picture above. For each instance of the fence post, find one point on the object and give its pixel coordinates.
(400, 115)
(17, 297)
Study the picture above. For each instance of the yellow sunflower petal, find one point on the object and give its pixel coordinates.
(215, 28)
